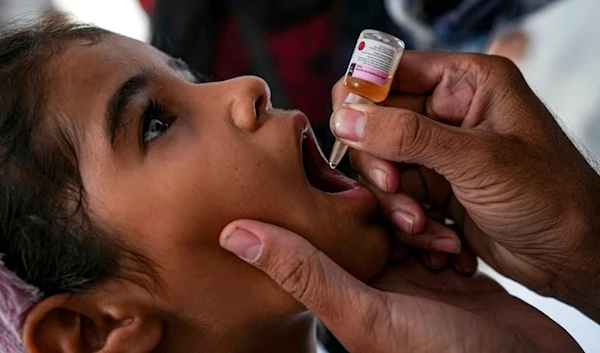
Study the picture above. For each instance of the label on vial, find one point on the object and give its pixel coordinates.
(371, 61)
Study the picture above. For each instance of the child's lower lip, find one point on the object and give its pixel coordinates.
(358, 194)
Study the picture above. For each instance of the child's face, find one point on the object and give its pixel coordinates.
(181, 168)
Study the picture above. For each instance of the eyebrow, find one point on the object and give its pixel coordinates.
(115, 119)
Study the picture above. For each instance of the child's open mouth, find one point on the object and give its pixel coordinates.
(317, 170)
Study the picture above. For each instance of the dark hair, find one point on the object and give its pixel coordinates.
(46, 235)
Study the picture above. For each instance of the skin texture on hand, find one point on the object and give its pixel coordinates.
(413, 309)
(519, 191)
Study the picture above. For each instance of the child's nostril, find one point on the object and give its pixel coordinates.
(257, 106)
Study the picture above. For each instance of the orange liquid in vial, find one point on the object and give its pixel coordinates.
(369, 90)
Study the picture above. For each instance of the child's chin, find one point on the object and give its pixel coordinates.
(368, 256)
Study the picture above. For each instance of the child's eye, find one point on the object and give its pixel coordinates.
(155, 121)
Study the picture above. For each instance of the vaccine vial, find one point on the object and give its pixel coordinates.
(370, 74)
(373, 65)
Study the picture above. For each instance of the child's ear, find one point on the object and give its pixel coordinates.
(86, 323)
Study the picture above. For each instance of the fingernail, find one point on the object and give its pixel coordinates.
(437, 260)
(403, 220)
(465, 265)
(349, 124)
(379, 178)
(243, 244)
(446, 245)
(467, 271)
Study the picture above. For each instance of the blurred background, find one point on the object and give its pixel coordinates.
(302, 47)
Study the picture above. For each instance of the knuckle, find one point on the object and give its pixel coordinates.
(480, 61)
(480, 68)
(503, 64)
(476, 59)
(477, 69)
(503, 70)
(473, 62)
(409, 131)
(300, 275)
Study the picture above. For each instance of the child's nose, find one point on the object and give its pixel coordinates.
(252, 96)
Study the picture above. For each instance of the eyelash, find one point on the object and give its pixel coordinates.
(154, 111)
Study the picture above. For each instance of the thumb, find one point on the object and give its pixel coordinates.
(402, 135)
(349, 308)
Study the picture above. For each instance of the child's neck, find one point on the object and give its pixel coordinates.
(294, 335)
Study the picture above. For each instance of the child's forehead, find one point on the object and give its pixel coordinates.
(84, 70)
(112, 52)
(81, 79)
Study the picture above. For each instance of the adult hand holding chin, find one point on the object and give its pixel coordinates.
(413, 310)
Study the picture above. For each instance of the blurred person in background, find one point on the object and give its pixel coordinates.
(490, 26)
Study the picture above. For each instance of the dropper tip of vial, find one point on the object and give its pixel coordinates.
(337, 153)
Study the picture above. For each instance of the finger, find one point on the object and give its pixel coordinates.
(403, 210)
(416, 103)
(461, 88)
(466, 261)
(418, 182)
(404, 136)
(434, 260)
(309, 276)
(434, 236)
(426, 186)
(421, 72)
(381, 173)
(457, 212)
(338, 94)
(416, 229)
(414, 184)
(437, 188)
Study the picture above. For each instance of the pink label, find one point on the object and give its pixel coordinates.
(372, 61)
(370, 74)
